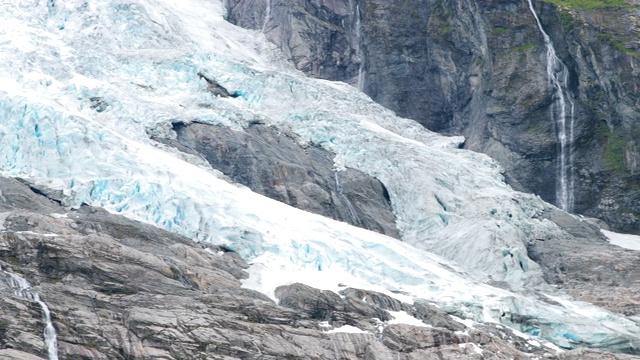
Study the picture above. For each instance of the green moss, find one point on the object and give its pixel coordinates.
(618, 45)
(614, 151)
(500, 30)
(524, 47)
(587, 4)
(567, 19)
(12, 260)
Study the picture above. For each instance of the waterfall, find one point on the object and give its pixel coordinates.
(358, 50)
(355, 219)
(563, 116)
(22, 288)
(267, 15)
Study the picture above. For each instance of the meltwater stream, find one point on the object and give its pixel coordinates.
(562, 114)
(22, 288)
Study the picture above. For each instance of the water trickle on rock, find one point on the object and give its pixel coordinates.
(360, 84)
(562, 113)
(353, 214)
(22, 288)
(267, 15)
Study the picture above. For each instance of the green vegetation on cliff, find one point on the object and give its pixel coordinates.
(587, 4)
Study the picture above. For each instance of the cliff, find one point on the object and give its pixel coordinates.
(482, 69)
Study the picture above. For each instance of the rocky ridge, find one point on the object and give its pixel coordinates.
(119, 289)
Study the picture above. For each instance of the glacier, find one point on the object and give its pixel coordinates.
(83, 84)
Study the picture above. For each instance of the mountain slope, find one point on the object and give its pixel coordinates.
(85, 86)
(481, 68)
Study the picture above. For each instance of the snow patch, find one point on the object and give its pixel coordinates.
(347, 329)
(477, 349)
(627, 241)
(402, 317)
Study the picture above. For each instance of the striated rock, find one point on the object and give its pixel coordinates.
(406, 338)
(320, 36)
(429, 314)
(329, 306)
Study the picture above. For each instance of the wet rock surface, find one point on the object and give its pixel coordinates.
(119, 289)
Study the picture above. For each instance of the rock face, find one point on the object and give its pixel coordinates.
(119, 289)
(479, 68)
(586, 266)
(318, 36)
(275, 165)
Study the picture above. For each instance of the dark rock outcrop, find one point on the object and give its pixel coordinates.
(358, 307)
(276, 166)
(214, 88)
(318, 36)
(478, 68)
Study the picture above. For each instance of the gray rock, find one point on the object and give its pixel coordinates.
(429, 314)
(478, 68)
(319, 35)
(329, 306)
(584, 264)
(275, 165)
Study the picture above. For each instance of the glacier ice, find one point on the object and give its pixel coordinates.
(463, 229)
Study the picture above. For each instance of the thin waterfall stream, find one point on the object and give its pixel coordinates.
(353, 214)
(22, 289)
(267, 15)
(360, 83)
(562, 112)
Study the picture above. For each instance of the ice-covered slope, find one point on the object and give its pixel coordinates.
(83, 84)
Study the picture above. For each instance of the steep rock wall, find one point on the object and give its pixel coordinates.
(479, 68)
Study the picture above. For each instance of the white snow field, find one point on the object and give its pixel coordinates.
(137, 62)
